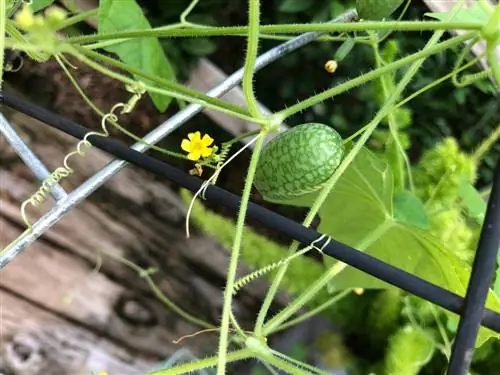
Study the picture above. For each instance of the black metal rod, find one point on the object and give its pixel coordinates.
(355, 258)
(483, 269)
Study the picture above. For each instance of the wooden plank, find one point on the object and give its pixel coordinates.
(134, 216)
(37, 342)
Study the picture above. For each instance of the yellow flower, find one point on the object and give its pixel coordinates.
(197, 147)
(24, 18)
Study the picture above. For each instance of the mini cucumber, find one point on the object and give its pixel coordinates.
(298, 161)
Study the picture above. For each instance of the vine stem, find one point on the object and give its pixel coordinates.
(282, 29)
(486, 144)
(235, 252)
(251, 57)
(203, 363)
(370, 128)
(171, 93)
(77, 18)
(161, 81)
(401, 156)
(343, 87)
(312, 312)
(3, 22)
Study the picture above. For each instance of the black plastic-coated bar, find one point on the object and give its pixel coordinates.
(355, 258)
(483, 269)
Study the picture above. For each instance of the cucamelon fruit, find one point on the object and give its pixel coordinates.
(298, 161)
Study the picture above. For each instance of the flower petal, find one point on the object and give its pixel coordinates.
(195, 137)
(207, 151)
(195, 155)
(186, 145)
(207, 140)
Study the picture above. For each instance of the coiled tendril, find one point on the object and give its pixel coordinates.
(65, 171)
(239, 284)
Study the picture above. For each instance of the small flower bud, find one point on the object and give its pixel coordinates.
(55, 14)
(24, 18)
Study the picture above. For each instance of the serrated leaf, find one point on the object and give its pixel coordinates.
(409, 209)
(474, 204)
(295, 6)
(476, 13)
(145, 53)
(37, 5)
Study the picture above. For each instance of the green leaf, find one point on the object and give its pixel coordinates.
(475, 13)
(145, 53)
(409, 209)
(37, 5)
(376, 9)
(474, 204)
(359, 212)
(295, 6)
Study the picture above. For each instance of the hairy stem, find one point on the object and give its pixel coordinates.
(282, 29)
(203, 363)
(312, 312)
(426, 52)
(165, 83)
(78, 18)
(486, 144)
(151, 88)
(235, 252)
(370, 128)
(251, 57)
(401, 156)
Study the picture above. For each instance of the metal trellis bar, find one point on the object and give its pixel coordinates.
(288, 227)
(63, 206)
(471, 309)
(30, 159)
(482, 273)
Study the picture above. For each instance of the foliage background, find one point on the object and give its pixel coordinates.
(467, 114)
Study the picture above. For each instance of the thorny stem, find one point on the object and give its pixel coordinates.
(431, 45)
(235, 251)
(282, 29)
(251, 57)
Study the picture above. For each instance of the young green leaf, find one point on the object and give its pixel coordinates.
(474, 204)
(146, 53)
(295, 6)
(37, 5)
(376, 9)
(409, 209)
(476, 13)
(409, 350)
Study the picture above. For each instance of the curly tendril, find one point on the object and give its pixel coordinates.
(65, 171)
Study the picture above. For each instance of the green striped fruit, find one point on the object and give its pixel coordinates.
(298, 161)
(376, 9)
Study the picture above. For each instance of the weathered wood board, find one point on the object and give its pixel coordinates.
(61, 315)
